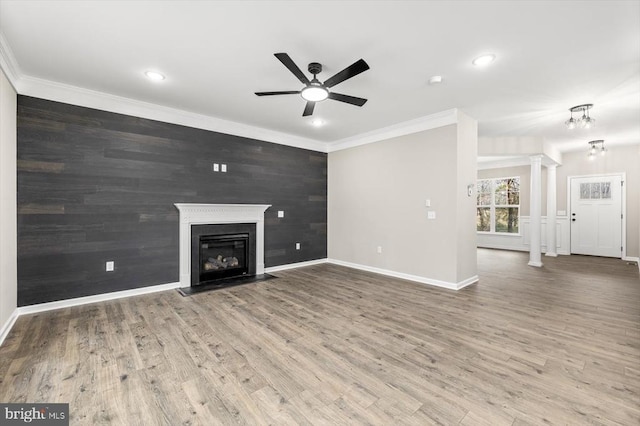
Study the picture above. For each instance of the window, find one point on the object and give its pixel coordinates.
(595, 190)
(498, 205)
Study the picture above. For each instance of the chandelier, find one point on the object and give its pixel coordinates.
(585, 121)
(595, 147)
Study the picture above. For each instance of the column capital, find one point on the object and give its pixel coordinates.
(551, 166)
(536, 158)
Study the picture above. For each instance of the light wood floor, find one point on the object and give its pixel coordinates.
(331, 345)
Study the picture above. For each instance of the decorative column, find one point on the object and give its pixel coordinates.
(551, 211)
(535, 252)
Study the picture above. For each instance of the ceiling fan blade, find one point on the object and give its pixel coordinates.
(308, 110)
(291, 66)
(350, 71)
(348, 99)
(287, 92)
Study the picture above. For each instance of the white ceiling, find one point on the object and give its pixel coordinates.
(551, 55)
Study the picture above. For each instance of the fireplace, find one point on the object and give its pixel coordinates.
(205, 219)
(222, 251)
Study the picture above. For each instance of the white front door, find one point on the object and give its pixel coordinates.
(596, 215)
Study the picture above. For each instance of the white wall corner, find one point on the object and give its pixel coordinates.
(8, 208)
(8, 325)
(552, 153)
(8, 62)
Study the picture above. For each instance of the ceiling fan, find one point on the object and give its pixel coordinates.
(314, 91)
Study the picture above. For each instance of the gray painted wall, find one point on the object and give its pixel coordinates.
(377, 196)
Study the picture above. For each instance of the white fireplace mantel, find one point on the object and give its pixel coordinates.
(212, 214)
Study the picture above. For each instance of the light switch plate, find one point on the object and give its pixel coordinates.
(431, 215)
(223, 168)
(216, 167)
(427, 203)
(297, 246)
(110, 266)
(280, 213)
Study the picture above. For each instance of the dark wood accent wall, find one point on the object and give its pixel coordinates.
(95, 186)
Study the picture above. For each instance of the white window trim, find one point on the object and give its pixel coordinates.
(493, 206)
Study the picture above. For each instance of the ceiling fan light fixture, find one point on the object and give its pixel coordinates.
(314, 93)
(588, 122)
(594, 147)
(584, 122)
(571, 123)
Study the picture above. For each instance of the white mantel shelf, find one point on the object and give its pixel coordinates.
(212, 214)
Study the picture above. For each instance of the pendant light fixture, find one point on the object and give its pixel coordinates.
(595, 147)
(585, 122)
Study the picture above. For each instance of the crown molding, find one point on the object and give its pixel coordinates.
(8, 62)
(66, 93)
(439, 119)
(60, 92)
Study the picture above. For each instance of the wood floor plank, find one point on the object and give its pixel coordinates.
(327, 345)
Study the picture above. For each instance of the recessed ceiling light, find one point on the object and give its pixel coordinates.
(317, 122)
(154, 75)
(436, 79)
(483, 60)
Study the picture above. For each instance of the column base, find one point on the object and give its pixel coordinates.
(551, 254)
(536, 264)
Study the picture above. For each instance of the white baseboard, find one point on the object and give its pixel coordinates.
(6, 328)
(294, 265)
(401, 275)
(520, 248)
(61, 304)
(633, 259)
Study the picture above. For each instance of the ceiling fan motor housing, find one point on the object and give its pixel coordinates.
(315, 68)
